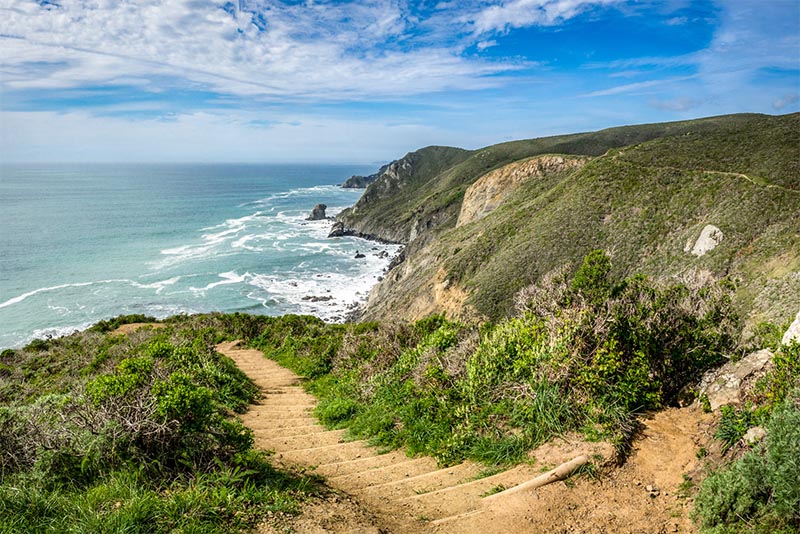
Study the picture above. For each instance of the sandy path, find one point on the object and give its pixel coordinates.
(394, 493)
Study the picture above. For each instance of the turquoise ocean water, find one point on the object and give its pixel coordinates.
(80, 243)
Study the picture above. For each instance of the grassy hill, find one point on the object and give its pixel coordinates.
(426, 195)
(645, 204)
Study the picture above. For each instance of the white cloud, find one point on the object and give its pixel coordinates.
(677, 21)
(265, 49)
(747, 66)
(683, 103)
(522, 13)
(751, 37)
(785, 100)
(638, 86)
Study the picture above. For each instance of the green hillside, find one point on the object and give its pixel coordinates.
(645, 204)
(427, 194)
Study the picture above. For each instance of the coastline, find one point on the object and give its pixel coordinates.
(238, 244)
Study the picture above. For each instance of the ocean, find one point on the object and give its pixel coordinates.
(81, 243)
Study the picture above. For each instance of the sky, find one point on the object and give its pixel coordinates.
(367, 81)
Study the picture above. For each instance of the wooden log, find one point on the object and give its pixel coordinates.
(559, 473)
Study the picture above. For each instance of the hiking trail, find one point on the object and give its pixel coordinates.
(396, 493)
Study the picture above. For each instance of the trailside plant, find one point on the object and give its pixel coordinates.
(760, 492)
(584, 352)
(142, 442)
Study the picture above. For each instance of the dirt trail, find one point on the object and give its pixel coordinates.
(396, 493)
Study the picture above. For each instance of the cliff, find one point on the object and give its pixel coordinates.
(361, 182)
(493, 188)
(392, 208)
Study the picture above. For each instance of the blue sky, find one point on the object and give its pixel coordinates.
(367, 81)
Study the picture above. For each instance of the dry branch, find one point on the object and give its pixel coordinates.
(559, 473)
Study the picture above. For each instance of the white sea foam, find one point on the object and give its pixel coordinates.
(20, 298)
(58, 331)
(314, 191)
(227, 279)
(346, 284)
(60, 310)
(212, 243)
(158, 286)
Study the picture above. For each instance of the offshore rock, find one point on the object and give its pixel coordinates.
(318, 213)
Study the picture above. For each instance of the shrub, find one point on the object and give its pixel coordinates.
(593, 279)
(759, 492)
(180, 399)
(784, 376)
(732, 425)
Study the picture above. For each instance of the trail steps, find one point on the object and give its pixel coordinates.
(408, 493)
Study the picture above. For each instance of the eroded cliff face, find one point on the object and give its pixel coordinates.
(419, 285)
(417, 288)
(486, 194)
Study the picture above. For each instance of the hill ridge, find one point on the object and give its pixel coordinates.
(641, 202)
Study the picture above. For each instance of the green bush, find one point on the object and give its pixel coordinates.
(137, 437)
(593, 279)
(179, 398)
(732, 425)
(784, 376)
(759, 492)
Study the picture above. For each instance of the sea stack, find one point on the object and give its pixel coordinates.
(318, 213)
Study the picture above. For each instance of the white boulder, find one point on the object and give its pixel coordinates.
(793, 333)
(710, 237)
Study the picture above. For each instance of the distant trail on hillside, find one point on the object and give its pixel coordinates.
(726, 173)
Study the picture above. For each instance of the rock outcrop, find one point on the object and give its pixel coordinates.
(793, 333)
(710, 237)
(339, 229)
(361, 182)
(318, 213)
(489, 191)
(730, 383)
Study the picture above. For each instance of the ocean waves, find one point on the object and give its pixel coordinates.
(259, 256)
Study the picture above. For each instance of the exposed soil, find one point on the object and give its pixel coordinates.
(392, 492)
(133, 327)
